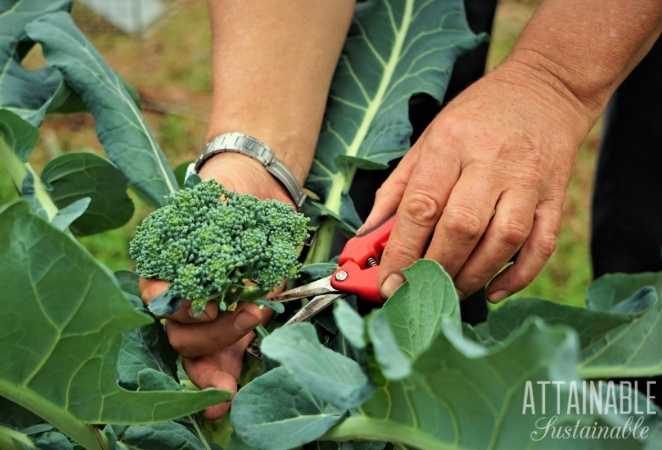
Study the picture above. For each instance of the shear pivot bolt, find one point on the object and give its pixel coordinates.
(341, 275)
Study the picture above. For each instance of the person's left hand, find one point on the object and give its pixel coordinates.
(212, 345)
(486, 180)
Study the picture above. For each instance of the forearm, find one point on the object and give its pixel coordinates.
(586, 48)
(272, 68)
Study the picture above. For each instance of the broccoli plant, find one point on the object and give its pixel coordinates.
(211, 243)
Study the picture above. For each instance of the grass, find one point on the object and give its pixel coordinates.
(170, 66)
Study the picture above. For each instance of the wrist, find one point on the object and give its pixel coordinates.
(531, 74)
(293, 152)
(243, 174)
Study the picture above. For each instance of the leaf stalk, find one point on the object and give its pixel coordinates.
(19, 171)
(86, 435)
(366, 428)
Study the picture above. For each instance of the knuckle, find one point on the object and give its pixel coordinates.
(387, 189)
(421, 208)
(513, 234)
(546, 246)
(381, 192)
(463, 223)
(179, 342)
(520, 279)
(398, 255)
(449, 129)
(176, 339)
(469, 284)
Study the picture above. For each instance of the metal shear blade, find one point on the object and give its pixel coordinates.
(319, 287)
(313, 307)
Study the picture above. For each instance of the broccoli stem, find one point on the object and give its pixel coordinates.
(320, 251)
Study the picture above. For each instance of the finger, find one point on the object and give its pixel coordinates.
(150, 289)
(389, 194)
(505, 235)
(422, 202)
(534, 254)
(467, 213)
(231, 358)
(207, 373)
(194, 340)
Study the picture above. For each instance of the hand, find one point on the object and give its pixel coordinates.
(486, 180)
(212, 345)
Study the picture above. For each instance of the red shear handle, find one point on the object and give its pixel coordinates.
(369, 245)
(355, 275)
(363, 283)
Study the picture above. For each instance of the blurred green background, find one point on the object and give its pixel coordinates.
(169, 64)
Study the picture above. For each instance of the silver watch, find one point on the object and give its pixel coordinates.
(236, 142)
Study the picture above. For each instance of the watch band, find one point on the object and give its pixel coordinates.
(237, 142)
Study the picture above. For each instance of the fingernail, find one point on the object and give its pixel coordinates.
(245, 321)
(359, 232)
(391, 284)
(498, 295)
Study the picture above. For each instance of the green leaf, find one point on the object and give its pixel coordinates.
(45, 437)
(356, 445)
(394, 364)
(333, 377)
(276, 307)
(590, 325)
(633, 349)
(165, 304)
(28, 93)
(192, 180)
(120, 125)
(145, 348)
(347, 218)
(14, 440)
(395, 49)
(417, 310)
(17, 138)
(15, 416)
(350, 324)
(619, 331)
(74, 176)
(66, 372)
(612, 290)
(237, 444)
(128, 281)
(154, 380)
(19, 134)
(67, 215)
(463, 396)
(180, 173)
(274, 412)
(160, 436)
(316, 271)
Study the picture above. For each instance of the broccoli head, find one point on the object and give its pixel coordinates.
(211, 243)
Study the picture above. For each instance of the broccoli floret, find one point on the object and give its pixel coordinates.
(211, 243)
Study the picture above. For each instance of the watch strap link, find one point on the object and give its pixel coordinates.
(244, 144)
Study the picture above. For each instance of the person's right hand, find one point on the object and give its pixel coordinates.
(485, 181)
(212, 345)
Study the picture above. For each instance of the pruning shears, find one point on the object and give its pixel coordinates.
(357, 272)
